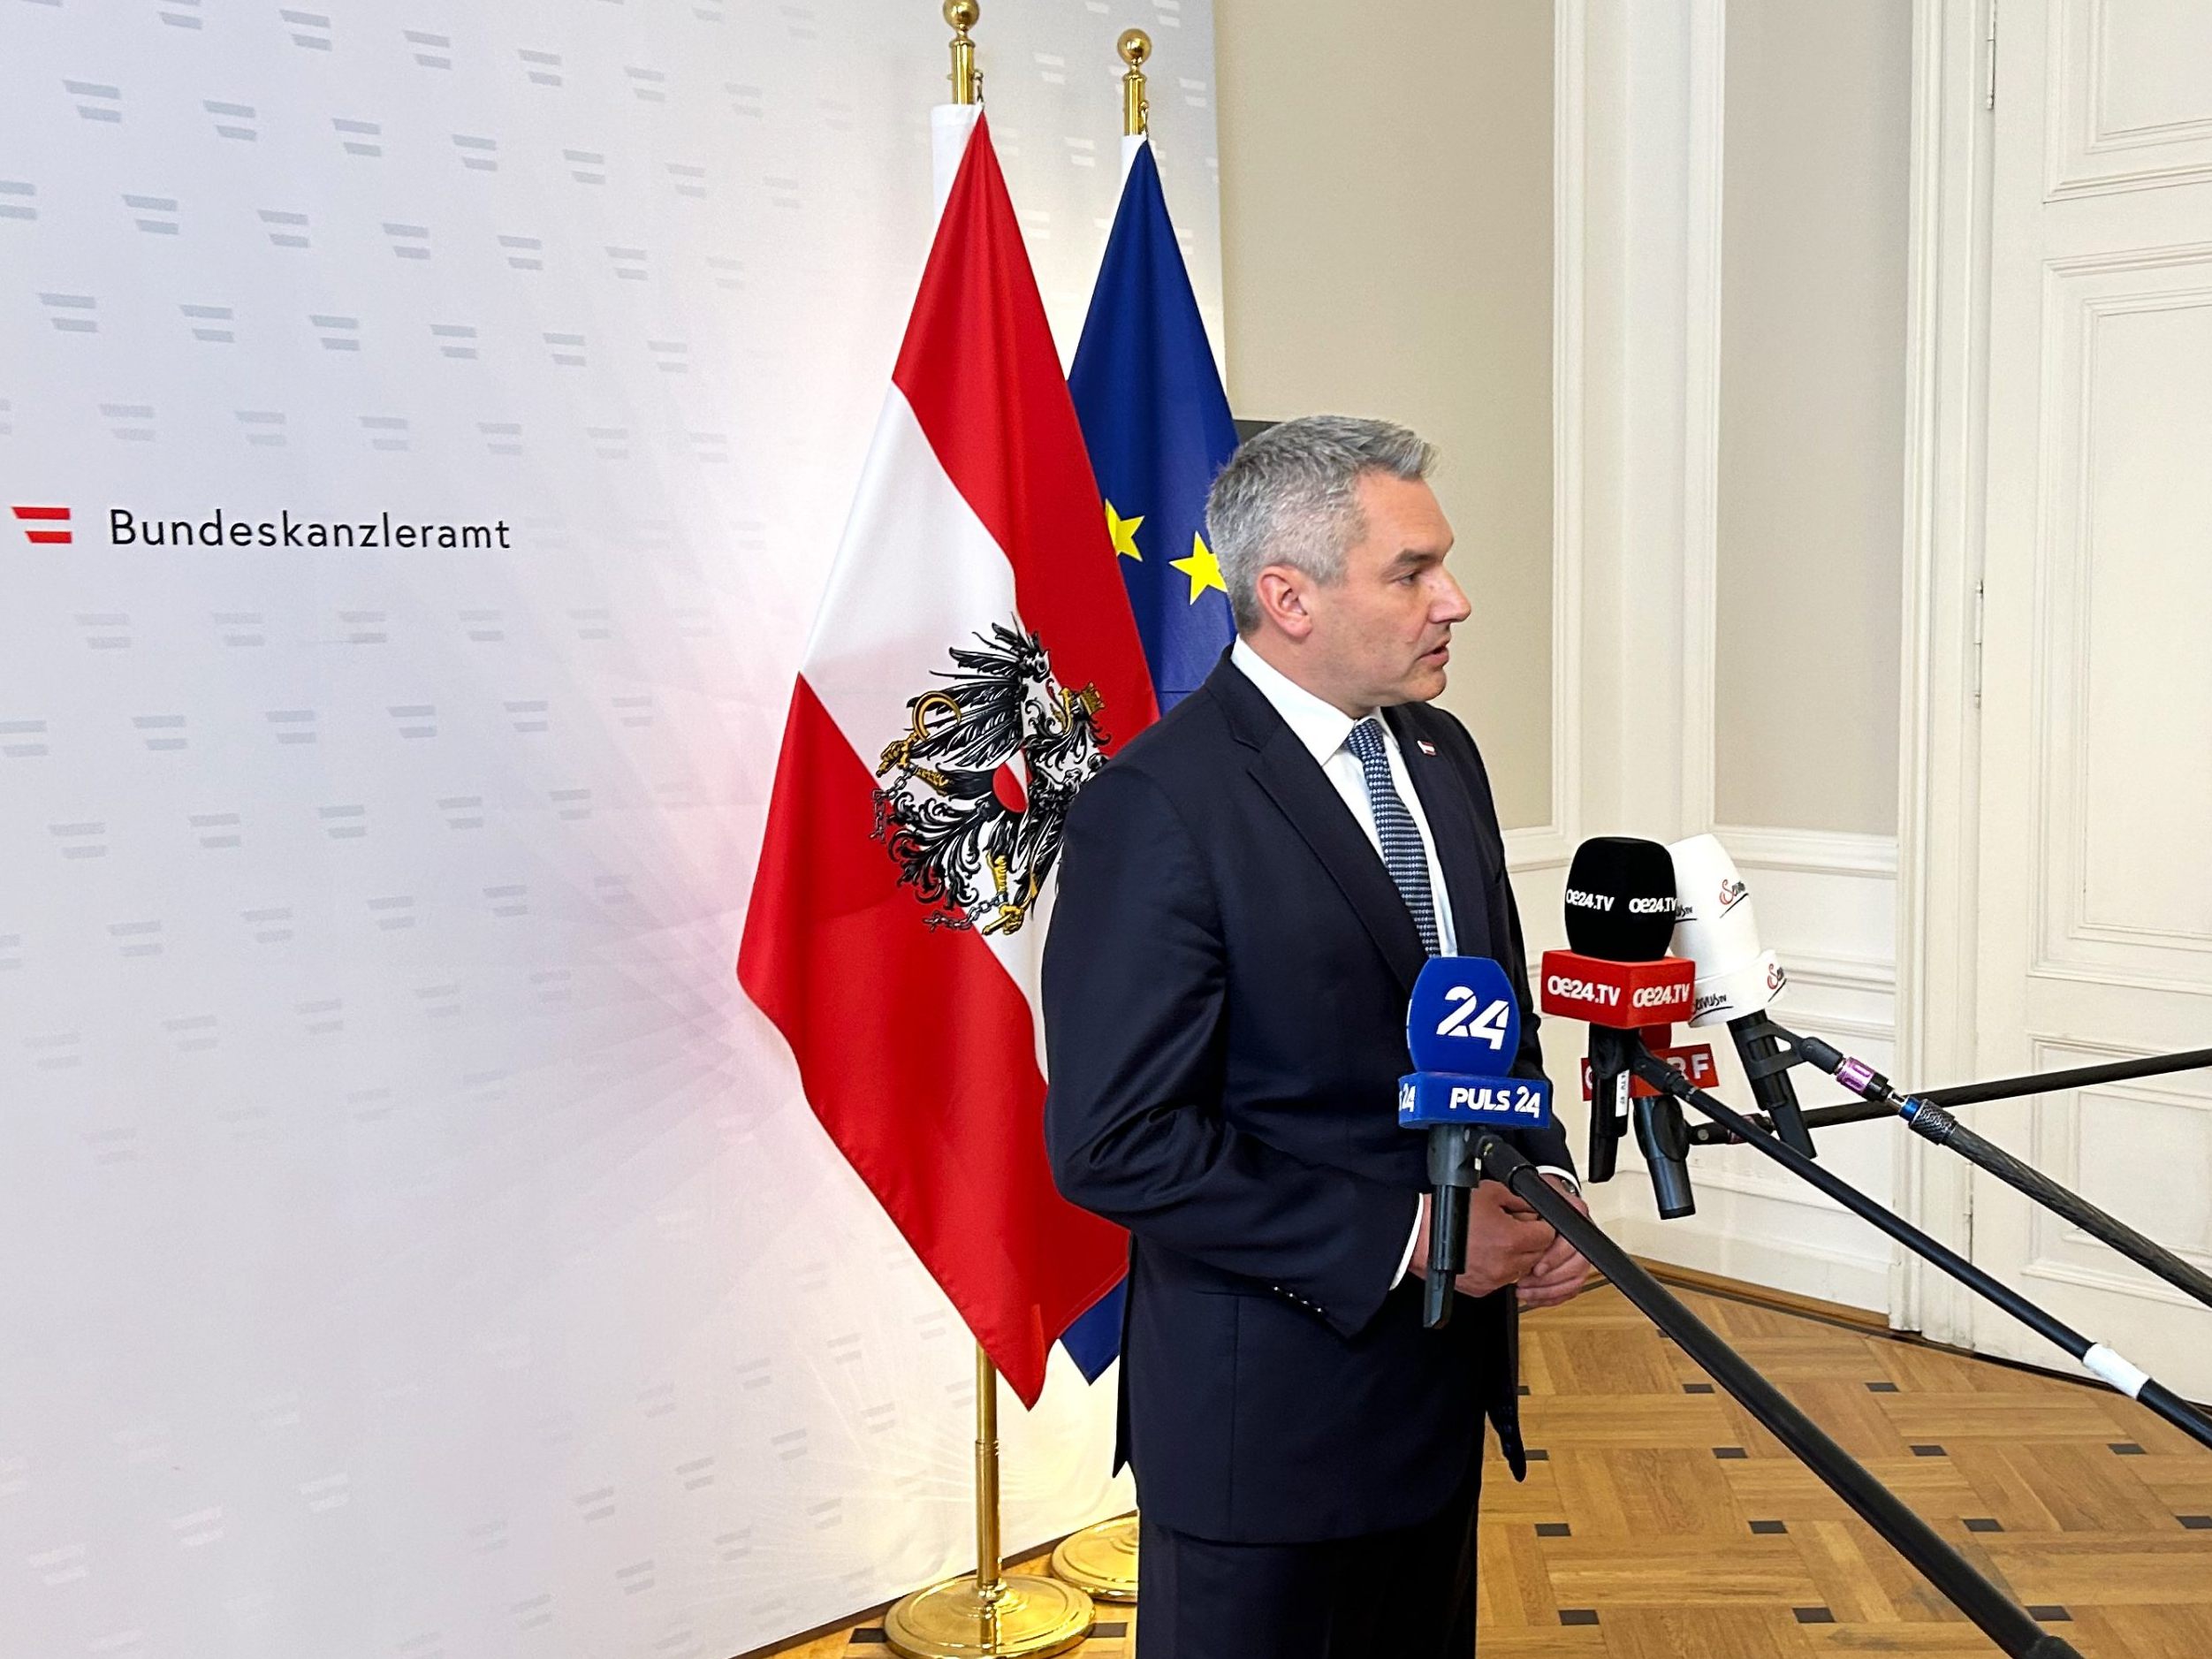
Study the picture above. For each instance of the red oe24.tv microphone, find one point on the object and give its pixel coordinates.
(1618, 978)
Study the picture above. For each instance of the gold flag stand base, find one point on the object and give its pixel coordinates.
(1101, 1559)
(1028, 1616)
(989, 1613)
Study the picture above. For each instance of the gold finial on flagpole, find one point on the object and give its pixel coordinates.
(1135, 46)
(960, 16)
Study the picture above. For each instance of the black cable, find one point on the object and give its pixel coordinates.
(1998, 1616)
(2160, 1400)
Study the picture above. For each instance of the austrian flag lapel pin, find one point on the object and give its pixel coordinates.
(1425, 747)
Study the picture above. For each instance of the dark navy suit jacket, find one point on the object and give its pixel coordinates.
(1225, 989)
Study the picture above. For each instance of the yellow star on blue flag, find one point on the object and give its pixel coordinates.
(1202, 567)
(1124, 532)
(1157, 423)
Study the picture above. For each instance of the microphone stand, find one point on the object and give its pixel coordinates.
(1975, 1093)
(1760, 1045)
(1932, 1122)
(2101, 1361)
(1999, 1617)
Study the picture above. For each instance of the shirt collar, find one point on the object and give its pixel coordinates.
(1321, 727)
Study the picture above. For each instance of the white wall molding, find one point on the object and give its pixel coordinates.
(1752, 1181)
(1771, 1257)
(1701, 403)
(1641, 498)
(1837, 973)
(1537, 848)
(1816, 852)
(1540, 847)
(1824, 1023)
(1644, 466)
(1628, 470)
(1939, 747)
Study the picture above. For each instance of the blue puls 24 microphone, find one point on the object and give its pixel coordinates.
(1462, 1029)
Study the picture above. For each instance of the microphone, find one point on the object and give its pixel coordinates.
(1462, 1029)
(1736, 980)
(1618, 978)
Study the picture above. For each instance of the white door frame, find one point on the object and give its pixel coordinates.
(1939, 747)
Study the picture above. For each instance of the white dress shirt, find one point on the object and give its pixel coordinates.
(1322, 727)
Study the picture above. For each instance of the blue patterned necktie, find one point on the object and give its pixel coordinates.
(1402, 848)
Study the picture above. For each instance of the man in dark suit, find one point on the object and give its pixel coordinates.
(1246, 893)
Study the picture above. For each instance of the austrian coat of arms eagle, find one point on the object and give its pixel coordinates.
(970, 801)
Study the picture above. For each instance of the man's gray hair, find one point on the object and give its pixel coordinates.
(1287, 498)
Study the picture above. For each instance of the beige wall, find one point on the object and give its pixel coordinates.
(1386, 249)
(1812, 385)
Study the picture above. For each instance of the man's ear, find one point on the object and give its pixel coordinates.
(1282, 600)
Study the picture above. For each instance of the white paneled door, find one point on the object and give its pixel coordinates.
(2096, 814)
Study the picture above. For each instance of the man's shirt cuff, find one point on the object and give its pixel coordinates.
(1412, 1238)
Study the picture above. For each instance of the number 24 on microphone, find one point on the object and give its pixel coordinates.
(1427, 1098)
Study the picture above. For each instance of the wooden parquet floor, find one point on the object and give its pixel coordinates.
(1659, 1521)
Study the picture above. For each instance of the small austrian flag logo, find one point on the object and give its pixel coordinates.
(45, 525)
(1425, 746)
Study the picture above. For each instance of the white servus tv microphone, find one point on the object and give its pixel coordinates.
(1737, 980)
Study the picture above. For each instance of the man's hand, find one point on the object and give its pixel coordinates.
(1560, 1274)
(1505, 1240)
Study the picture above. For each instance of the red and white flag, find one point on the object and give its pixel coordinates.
(973, 662)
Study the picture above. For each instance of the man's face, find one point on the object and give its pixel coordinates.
(1383, 634)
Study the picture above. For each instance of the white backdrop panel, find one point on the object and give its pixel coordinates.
(416, 1244)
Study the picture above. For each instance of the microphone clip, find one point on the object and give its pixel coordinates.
(1772, 1064)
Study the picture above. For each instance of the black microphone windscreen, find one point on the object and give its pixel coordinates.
(1621, 898)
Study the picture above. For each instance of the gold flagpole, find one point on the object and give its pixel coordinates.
(989, 1614)
(985, 1614)
(1102, 1559)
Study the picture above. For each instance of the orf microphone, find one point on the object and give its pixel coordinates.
(1462, 1029)
(1618, 978)
(1736, 980)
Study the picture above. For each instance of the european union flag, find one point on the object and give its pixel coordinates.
(1157, 423)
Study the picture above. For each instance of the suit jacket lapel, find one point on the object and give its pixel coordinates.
(1451, 816)
(1309, 801)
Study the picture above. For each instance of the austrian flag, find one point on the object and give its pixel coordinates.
(973, 664)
